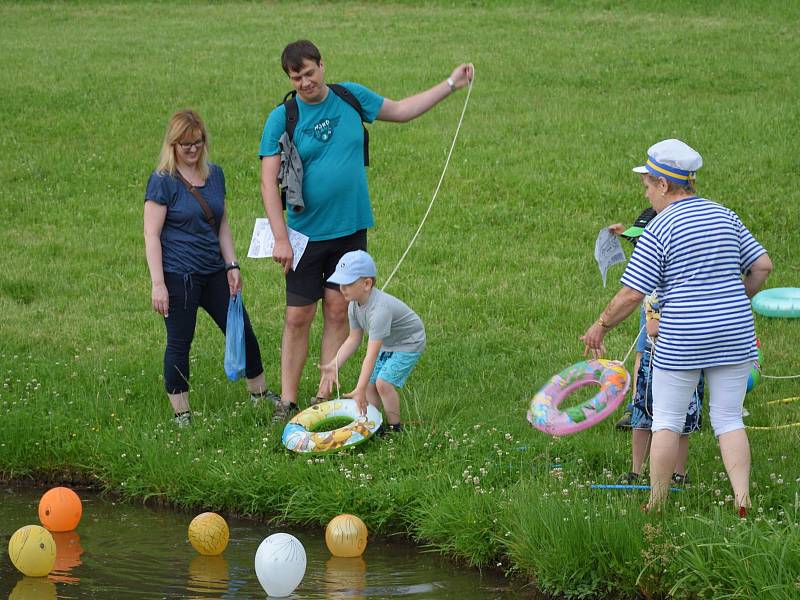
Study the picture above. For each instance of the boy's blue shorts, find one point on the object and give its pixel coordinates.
(642, 416)
(394, 367)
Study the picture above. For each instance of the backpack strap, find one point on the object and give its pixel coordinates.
(348, 97)
(293, 113)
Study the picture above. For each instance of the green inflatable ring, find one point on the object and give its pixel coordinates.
(778, 302)
(299, 435)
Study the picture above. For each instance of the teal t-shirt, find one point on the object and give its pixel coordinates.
(330, 141)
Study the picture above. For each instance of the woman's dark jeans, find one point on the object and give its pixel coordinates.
(186, 294)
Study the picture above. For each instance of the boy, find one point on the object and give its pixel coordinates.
(642, 410)
(396, 338)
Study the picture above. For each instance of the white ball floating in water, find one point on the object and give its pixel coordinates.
(280, 564)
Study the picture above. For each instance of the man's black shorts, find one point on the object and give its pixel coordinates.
(307, 283)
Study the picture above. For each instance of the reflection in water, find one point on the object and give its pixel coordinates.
(33, 588)
(345, 577)
(68, 556)
(208, 575)
(127, 552)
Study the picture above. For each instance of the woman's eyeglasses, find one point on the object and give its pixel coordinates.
(186, 146)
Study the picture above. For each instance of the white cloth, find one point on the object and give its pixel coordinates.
(725, 385)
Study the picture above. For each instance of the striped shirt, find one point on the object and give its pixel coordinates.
(693, 253)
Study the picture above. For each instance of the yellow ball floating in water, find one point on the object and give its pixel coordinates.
(32, 550)
(346, 536)
(208, 534)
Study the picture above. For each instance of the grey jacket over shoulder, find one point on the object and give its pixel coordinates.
(290, 175)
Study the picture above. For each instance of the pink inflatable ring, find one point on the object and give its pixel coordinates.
(610, 375)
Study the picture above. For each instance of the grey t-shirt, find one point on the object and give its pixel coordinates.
(386, 318)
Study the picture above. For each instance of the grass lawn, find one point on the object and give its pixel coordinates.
(568, 96)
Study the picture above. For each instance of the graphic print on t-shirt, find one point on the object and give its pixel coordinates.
(323, 130)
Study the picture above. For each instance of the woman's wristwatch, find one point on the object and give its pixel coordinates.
(232, 265)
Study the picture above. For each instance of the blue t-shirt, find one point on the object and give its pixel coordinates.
(693, 253)
(188, 243)
(330, 141)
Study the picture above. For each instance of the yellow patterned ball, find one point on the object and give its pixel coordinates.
(32, 550)
(208, 534)
(346, 536)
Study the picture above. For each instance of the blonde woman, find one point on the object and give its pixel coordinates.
(191, 256)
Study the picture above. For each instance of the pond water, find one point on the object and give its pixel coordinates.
(122, 551)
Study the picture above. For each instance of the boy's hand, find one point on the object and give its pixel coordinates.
(330, 377)
(360, 396)
(616, 228)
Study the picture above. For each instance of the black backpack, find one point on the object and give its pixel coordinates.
(293, 113)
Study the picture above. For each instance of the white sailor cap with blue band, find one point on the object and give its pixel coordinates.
(672, 159)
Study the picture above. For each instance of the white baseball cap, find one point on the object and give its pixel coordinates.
(353, 266)
(672, 159)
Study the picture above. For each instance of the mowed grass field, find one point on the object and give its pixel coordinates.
(568, 96)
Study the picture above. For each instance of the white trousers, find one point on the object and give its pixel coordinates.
(726, 386)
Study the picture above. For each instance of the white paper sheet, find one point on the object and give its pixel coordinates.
(263, 241)
(607, 252)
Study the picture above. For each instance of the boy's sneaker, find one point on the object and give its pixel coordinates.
(628, 478)
(284, 411)
(680, 479)
(267, 395)
(183, 420)
(625, 421)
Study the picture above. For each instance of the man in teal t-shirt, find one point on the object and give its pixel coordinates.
(337, 214)
(329, 138)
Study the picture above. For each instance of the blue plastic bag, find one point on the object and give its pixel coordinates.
(235, 359)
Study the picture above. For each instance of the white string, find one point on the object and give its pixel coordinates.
(424, 218)
(436, 192)
(781, 376)
(633, 345)
(336, 380)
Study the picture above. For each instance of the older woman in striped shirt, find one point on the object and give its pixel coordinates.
(705, 265)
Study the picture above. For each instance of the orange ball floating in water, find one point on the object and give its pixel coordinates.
(32, 550)
(60, 509)
(208, 534)
(346, 536)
